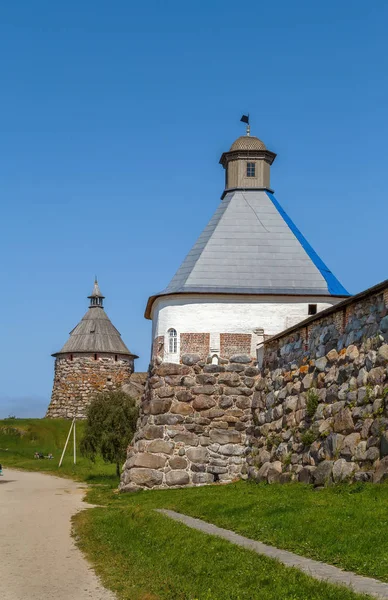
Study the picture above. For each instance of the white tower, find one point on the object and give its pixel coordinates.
(250, 274)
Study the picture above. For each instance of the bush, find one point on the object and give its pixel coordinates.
(312, 403)
(308, 437)
(111, 423)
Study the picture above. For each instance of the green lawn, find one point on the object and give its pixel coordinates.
(20, 438)
(346, 526)
(146, 556)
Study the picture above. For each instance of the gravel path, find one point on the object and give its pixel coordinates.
(38, 558)
(314, 568)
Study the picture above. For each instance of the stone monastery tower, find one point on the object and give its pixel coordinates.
(251, 274)
(94, 359)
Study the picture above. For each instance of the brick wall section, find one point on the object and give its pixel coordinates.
(195, 343)
(77, 381)
(235, 343)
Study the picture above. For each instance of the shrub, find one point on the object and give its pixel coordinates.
(308, 437)
(312, 403)
(111, 423)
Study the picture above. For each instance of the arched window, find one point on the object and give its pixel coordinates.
(172, 341)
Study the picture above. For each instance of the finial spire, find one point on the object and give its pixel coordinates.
(245, 119)
(96, 297)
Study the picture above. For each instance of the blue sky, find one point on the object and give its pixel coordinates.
(113, 118)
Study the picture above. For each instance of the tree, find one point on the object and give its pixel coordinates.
(110, 426)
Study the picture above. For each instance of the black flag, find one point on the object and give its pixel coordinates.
(245, 119)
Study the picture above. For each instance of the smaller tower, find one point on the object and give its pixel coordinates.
(94, 359)
(247, 164)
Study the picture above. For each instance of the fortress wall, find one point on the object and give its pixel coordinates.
(194, 424)
(321, 408)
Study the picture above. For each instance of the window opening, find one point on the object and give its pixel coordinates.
(172, 341)
(95, 357)
(71, 357)
(115, 357)
(312, 309)
(251, 169)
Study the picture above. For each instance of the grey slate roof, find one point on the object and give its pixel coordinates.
(95, 333)
(250, 246)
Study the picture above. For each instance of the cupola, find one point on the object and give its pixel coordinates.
(247, 164)
(96, 298)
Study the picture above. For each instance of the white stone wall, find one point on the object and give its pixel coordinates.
(199, 313)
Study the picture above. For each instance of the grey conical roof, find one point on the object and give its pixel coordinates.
(96, 293)
(251, 246)
(95, 333)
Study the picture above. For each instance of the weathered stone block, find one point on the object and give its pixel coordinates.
(146, 477)
(160, 446)
(225, 436)
(177, 462)
(148, 461)
(323, 473)
(177, 478)
(349, 444)
(187, 438)
(190, 359)
(240, 359)
(381, 471)
(203, 402)
(376, 375)
(151, 432)
(199, 454)
(159, 406)
(204, 389)
(343, 422)
(182, 408)
(202, 478)
(343, 470)
(184, 396)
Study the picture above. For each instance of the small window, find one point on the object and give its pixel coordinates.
(115, 357)
(172, 341)
(251, 169)
(71, 357)
(95, 357)
(312, 309)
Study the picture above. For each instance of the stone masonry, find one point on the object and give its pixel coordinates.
(316, 411)
(194, 424)
(321, 408)
(78, 378)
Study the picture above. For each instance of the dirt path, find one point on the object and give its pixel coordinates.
(38, 558)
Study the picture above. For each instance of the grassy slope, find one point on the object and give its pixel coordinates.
(346, 526)
(145, 556)
(20, 438)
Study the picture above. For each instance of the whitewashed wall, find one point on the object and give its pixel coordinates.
(199, 313)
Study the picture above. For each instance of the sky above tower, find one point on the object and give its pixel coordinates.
(113, 119)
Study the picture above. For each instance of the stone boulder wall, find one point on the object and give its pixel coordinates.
(320, 409)
(194, 424)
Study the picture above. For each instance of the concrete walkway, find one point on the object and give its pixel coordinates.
(314, 568)
(38, 557)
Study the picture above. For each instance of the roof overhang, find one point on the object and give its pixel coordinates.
(134, 356)
(152, 299)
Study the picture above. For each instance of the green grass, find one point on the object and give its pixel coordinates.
(346, 526)
(145, 556)
(20, 438)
